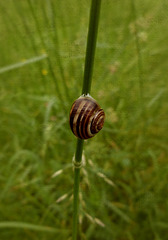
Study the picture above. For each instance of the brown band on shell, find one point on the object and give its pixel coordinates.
(97, 121)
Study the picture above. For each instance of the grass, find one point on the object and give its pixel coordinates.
(124, 196)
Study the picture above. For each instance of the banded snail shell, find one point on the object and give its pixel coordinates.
(86, 117)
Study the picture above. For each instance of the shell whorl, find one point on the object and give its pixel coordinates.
(86, 117)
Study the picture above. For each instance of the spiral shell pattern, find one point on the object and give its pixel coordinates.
(86, 117)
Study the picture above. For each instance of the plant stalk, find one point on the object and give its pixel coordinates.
(88, 70)
(91, 45)
(78, 157)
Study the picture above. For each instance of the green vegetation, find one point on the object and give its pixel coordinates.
(124, 191)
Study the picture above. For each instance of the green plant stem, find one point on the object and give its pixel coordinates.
(91, 45)
(89, 62)
(78, 157)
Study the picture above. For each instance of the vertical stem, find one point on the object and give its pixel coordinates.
(78, 157)
(91, 45)
(89, 62)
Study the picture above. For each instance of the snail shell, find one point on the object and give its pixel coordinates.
(86, 117)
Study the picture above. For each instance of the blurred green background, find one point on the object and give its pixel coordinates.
(124, 183)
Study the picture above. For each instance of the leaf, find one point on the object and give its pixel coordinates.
(28, 226)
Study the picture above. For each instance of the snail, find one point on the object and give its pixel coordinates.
(86, 117)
